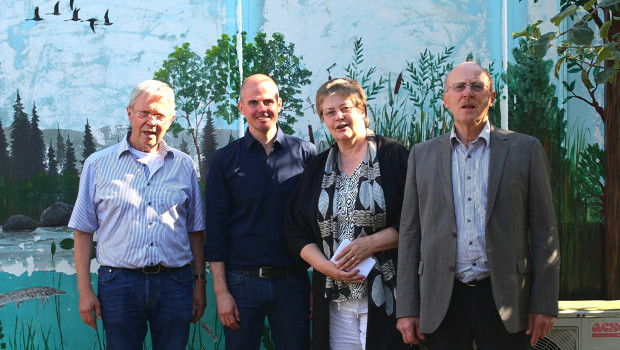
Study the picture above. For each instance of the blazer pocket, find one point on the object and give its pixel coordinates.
(421, 268)
(523, 265)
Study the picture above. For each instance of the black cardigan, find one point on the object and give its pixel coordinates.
(301, 229)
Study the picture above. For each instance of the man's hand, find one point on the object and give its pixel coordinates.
(89, 305)
(538, 326)
(200, 299)
(227, 310)
(409, 327)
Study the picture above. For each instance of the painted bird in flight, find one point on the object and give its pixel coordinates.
(92, 23)
(56, 10)
(36, 16)
(107, 19)
(75, 17)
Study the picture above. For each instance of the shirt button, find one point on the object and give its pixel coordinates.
(469, 156)
(468, 220)
(469, 199)
(453, 234)
(148, 184)
(151, 244)
(474, 264)
(149, 203)
(451, 268)
(469, 178)
(470, 242)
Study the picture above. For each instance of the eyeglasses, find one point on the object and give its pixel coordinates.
(460, 87)
(143, 115)
(333, 113)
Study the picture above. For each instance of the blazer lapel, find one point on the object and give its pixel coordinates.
(444, 154)
(499, 148)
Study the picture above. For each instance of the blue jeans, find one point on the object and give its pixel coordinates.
(129, 299)
(286, 303)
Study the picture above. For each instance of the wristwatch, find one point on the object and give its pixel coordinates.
(200, 276)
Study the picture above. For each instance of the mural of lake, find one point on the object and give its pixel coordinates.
(46, 319)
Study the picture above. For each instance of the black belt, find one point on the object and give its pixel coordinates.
(474, 283)
(273, 272)
(153, 269)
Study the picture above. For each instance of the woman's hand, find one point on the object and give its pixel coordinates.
(315, 257)
(358, 250)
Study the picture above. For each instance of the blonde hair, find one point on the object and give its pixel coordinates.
(345, 87)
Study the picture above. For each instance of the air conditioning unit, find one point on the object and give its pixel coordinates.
(585, 325)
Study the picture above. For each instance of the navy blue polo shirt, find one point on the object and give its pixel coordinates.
(245, 199)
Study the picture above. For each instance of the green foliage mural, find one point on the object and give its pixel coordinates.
(212, 83)
(590, 47)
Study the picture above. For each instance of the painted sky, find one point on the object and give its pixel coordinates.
(74, 74)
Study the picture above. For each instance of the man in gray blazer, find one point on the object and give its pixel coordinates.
(478, 246)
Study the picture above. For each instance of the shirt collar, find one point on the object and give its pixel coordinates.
(249, 140)
(163, 149)
(485, 134)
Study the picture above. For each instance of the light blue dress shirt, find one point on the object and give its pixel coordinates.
(142, 216)
(470, 175)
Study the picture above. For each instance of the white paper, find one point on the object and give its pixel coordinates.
(364, 266)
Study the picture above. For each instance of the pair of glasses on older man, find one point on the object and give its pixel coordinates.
(143, 115)
(460, 87)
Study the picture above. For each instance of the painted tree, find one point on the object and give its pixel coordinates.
(273, 57)
(37, 145)
(4, 154)
(184, 72)
(184, 146)
(89, 143)
(52, 164)
(60, 147)
(20, 141)
(70, 161)
(597, 61)
(533, 107)
(209, 142)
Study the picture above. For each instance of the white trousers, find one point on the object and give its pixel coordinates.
(347, 324)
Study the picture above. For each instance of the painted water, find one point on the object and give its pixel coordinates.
(39, 298)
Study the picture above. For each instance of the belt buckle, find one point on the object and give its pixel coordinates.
(152, 270)
(471, 283)
(262, 272)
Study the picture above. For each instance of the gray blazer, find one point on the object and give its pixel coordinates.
(521, 232)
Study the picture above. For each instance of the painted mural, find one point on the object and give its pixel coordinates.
(67, 69)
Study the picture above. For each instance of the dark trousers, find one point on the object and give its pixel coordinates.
(472, 316)
(285, 302)
(132, 301)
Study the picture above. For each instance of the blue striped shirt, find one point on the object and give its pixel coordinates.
(470, 174)
(142, 217)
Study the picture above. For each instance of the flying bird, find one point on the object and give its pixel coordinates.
(36, 16)
(75, 16)
(92, 23)
(56, 10)
(107, 19)
(329, 74)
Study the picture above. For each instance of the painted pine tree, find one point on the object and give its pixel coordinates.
(52, 163)
(89, 143)
(69, 164)
(37, 145)
(20, 139)
(60, 150)
(209, 143)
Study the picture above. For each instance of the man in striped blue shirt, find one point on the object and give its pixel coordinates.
(142, 198)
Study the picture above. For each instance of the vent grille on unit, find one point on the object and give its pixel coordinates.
(560, 338)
